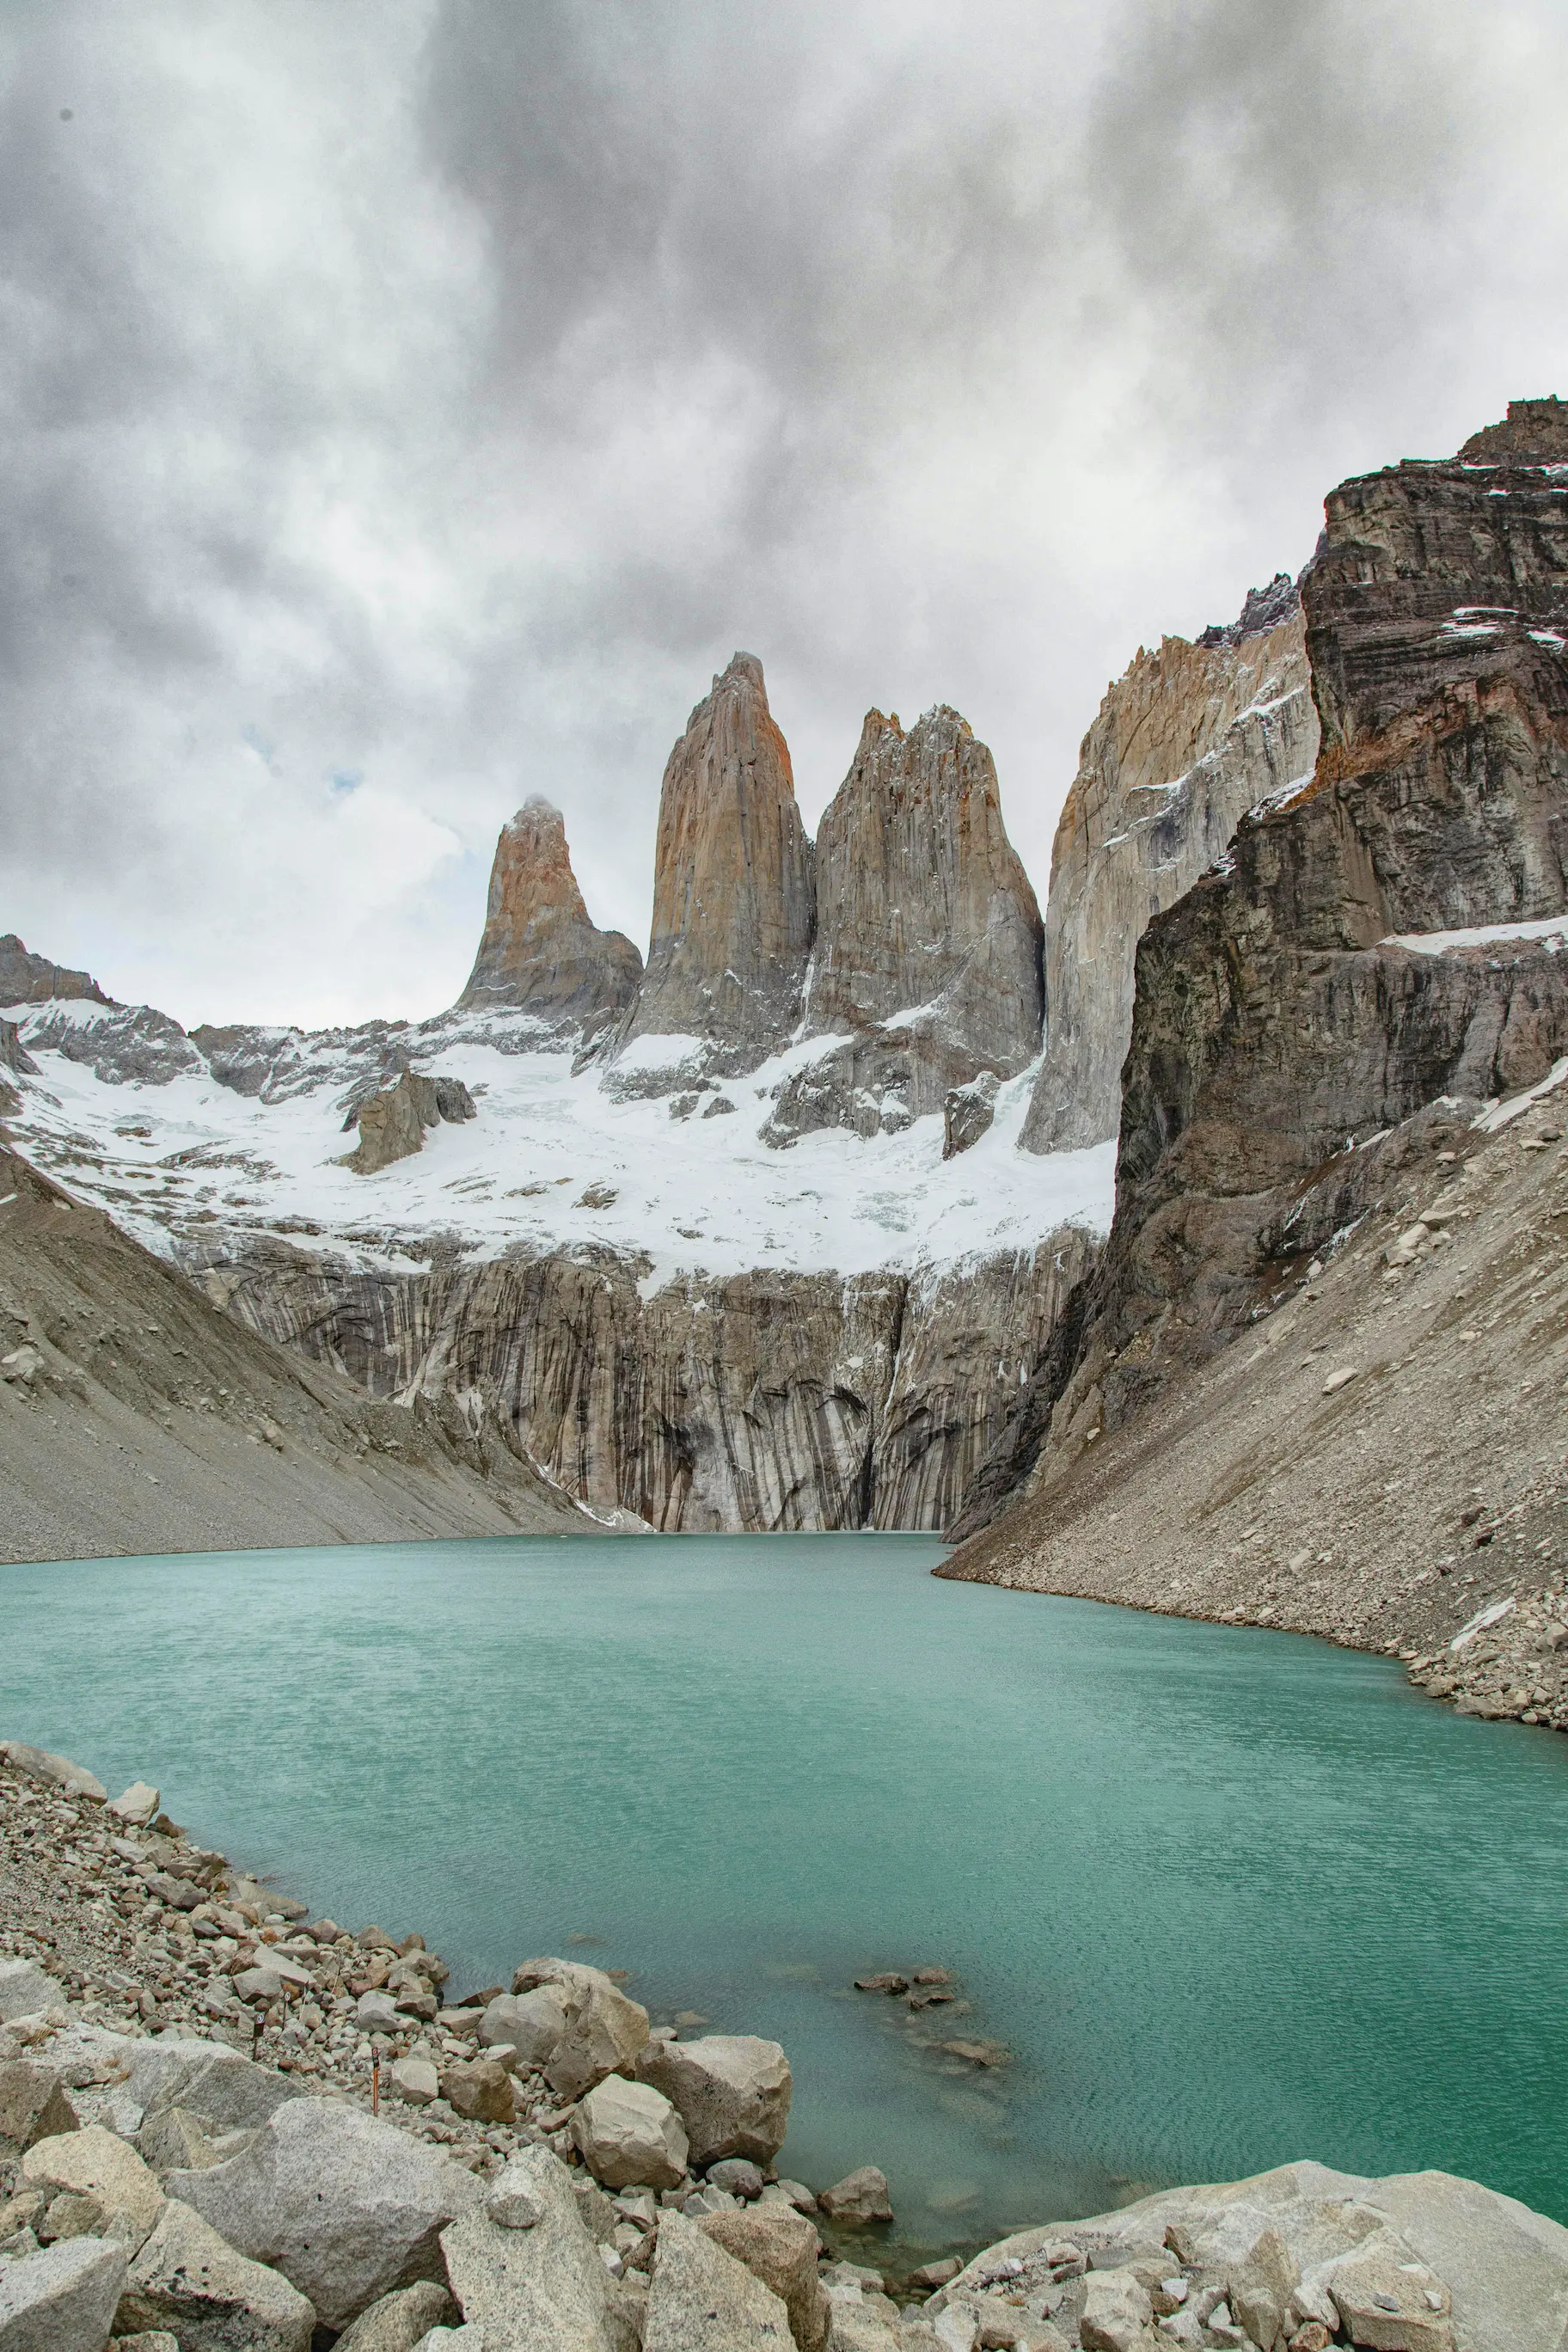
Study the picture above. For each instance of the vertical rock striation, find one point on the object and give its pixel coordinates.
(928, 934)
(541, 953)
(1185, 743)
(1311, 993)
(733, 898)
(759, 1402)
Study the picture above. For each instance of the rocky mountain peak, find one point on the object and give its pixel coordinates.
(1535, 432)
(540, 952)
(1262, 609)
(928, 934)
(27, 979)
(733, 897)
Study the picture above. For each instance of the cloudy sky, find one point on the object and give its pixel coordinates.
(409, 404)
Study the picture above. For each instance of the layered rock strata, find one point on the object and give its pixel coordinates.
(27, 979)
(927, 949)
(1186, 741)
(767, 1400)
(1314, 994)
(540, 954)
(733, 897)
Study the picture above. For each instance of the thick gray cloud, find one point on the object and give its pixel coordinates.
(407, 404)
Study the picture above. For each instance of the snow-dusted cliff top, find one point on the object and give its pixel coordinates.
(125, 1111)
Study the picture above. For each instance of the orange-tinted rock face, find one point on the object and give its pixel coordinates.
(733, 899)
(540, 952)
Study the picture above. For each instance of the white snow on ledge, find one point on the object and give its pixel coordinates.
(553, 1163)
(1551, 928)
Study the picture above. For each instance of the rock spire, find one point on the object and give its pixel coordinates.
(27, 979)
(928, 934)
(541, 953)
(733, 897)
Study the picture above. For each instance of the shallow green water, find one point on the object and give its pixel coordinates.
(1231, 1896)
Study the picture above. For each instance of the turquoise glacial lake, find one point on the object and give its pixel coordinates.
(1228, 1897)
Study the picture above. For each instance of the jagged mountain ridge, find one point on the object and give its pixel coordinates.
(672, 1311)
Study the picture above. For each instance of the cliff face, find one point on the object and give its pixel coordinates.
(1310, 997)
(1185, 743)
(767, 1400)
(927, 947)
(733, 899)
(32, 978)
(540, 953)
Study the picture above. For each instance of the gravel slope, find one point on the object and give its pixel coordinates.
(1386, 1510)
(135, 1417)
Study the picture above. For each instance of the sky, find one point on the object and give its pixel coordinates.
(409, 404)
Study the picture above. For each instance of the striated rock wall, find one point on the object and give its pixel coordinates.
(733, 898)
(927, 949)
(767, 1400)
(1185, 743)
(1289, 1007)
(540, 952)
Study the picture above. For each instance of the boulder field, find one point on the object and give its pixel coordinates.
(224, 2127)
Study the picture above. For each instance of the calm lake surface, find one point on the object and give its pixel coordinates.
(1229, 1896)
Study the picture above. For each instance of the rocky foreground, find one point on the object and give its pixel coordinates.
(226, 2128)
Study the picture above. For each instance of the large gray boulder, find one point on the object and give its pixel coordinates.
(25, 1990)
(630, 2137)
(1505, 2267)
(228, 2092)
(605, 2034)
(781, 2249)
(189, 2280)
(345, 2206)
(52, 1771)
(33, 2102)
(532, 2023)
(537, 2288)
(733, 2091)
(398, 2320)
(96, 2163)
(62, 2298)
(703, 2300)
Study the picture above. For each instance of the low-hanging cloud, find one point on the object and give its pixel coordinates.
(433, 393)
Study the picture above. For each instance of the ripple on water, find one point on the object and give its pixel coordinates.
(1226, 1896)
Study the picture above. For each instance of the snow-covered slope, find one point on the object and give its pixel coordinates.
(126, 1111)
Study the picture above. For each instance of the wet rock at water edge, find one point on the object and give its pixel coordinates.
(733, 2091)
(630, 2135)
(861, 2197)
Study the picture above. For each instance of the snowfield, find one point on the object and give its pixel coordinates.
(551, 1164)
